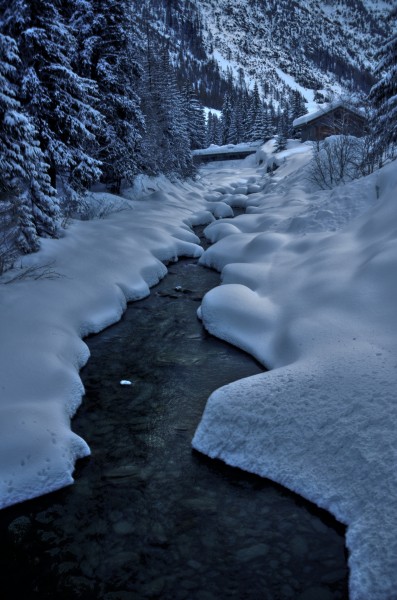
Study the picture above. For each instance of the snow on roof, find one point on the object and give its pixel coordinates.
(228, 149)
(326, 108)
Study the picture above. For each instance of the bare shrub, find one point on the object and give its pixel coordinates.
(337, 159)
(35, 272)
(93, 209)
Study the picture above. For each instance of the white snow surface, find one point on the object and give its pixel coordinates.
(318, 110)
(92, 272)
(308, 288)
(228, 148)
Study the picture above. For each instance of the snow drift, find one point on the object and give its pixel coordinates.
(309, 288)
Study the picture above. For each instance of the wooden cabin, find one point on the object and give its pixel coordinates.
(336, 119)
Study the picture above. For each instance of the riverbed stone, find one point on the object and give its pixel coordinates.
(252, 552)
(316, 593)
(299, 546)
(154, 587)
(19, 529)
(123, 527)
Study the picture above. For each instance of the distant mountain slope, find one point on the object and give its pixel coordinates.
(318, 45)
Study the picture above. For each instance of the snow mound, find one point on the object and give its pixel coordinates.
(76, 286)
(309, 289)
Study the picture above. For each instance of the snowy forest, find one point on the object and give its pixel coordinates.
(88, 94)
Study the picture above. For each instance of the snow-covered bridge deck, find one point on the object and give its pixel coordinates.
(228, 152)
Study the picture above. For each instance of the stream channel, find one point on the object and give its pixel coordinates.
(148, 518)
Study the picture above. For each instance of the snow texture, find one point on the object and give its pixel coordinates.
(72, 287)
(323, 110)
(227, 149)
(308, 288)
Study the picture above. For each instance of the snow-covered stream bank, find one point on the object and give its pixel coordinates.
(147, 517)
(308, 288)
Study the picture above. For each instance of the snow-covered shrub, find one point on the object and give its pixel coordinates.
(100, 208)
(91, 206)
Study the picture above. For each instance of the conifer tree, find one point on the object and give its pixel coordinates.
(209, 129)
(108, 55)
(298, 106)
(282, 132)
(246, 123)
(28, 208)
(258, 127)
(59, 101)
(234, 136)
(235, 130)
(268, 129)
(214, 129)
(226, 119)
(195, 119)
(165, 144)
(384, 97)
(255, 114)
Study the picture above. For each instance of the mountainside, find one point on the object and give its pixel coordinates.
(316, 42)
(327, 45)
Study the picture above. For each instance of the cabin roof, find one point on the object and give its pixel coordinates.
(327, 109)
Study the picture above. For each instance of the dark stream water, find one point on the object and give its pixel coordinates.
(148, 517)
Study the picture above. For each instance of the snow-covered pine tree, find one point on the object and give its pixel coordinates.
(105, 34)
(274, 116)
(214, 129)
(150, 96)
(28, 207)
(268, 129)
(176, 128)
(238, 132)
(258, 128)
(209, 138)
(297, 108)
(384, 97)
(282, 132)
(226, 119)
(246, 123)
(235, 130)
(287, 118)
(82, 19)
(195, 119)
(255, 114)
(59, 101)
(298, 105)
(165, 143)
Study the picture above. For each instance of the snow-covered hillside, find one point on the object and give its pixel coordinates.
(319, 44)
(306, 45)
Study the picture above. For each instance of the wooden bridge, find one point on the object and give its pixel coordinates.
(229, 152)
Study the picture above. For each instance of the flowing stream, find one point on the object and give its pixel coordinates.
(148, 518)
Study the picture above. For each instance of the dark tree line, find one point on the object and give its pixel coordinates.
(383, 97)
(85, 95)
(248, 117)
